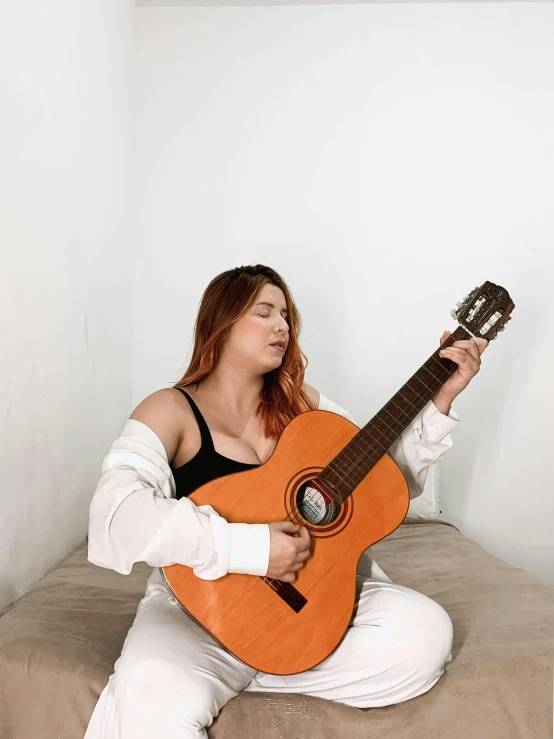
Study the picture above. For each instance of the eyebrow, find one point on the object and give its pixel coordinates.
(272, 306)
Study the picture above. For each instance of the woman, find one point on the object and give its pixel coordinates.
(225, 415)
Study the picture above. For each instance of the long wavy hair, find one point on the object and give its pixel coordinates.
(227, 298)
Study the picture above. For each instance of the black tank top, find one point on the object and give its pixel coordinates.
(207, 464)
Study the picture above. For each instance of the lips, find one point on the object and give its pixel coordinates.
(280, 344)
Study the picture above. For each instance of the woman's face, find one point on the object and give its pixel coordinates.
(251, 336)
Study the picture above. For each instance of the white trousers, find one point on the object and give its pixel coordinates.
(172, 678)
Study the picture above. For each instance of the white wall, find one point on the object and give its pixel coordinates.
(385, 159)
(66, 277)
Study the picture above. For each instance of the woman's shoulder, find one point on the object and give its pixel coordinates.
(312, 394)
(162, 411)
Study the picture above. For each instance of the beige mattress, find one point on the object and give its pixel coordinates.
(59, 642)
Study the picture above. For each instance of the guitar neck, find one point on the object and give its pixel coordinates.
(351, 465)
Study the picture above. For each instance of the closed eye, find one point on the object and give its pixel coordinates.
(262, 316)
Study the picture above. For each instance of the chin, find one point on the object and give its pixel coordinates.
(274, 366)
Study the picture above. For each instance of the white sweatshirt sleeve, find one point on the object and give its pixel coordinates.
(421, 444)
(134, 517)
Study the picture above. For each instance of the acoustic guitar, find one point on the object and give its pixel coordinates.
(336, 480)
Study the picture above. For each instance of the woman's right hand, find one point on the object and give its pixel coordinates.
(289, 549)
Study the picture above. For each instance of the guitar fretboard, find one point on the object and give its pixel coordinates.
(351, 465)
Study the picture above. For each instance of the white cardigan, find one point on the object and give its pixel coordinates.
(134, 515)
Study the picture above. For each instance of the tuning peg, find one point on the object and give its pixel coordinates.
(471, 293)
(454, 312)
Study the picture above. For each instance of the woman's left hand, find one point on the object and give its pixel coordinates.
(467, 355)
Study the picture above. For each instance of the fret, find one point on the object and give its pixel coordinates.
(430, 385)
(400, 409)
(421, 397)
(384, 434)
(356, 468)
(357, 458)
(359, 470)
(408, 401)
(356, 461)
(375, 438)
(377, 442)
(392, 427)
(372, 444)
(378, 420)
(348, 462)
(386, 410)
(435, 378)
(421, 391)
(441, 365)
(388, 426)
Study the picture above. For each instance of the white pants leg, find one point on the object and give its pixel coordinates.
(172, 678)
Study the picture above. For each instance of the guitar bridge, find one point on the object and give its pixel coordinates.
(288, 593)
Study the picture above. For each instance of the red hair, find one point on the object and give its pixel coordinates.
(226, 299)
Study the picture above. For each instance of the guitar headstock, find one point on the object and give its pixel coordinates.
(485, 311)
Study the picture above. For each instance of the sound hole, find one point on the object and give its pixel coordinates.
(315, 504)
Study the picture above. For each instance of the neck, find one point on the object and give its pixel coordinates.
(354, 462)
(237, 390)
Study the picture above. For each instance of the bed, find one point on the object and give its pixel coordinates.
(58, 644)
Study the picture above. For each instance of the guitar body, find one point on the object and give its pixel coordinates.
(296, 626)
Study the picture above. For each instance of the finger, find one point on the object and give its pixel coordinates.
(302, 545)
(460, 354)
(470, 346)
(482, 344)
(302, 556)
(461, 357)
(303, 542)
(304, 535)
(444, 336)
(288, 527)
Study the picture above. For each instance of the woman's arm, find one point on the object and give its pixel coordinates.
(134, 515)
